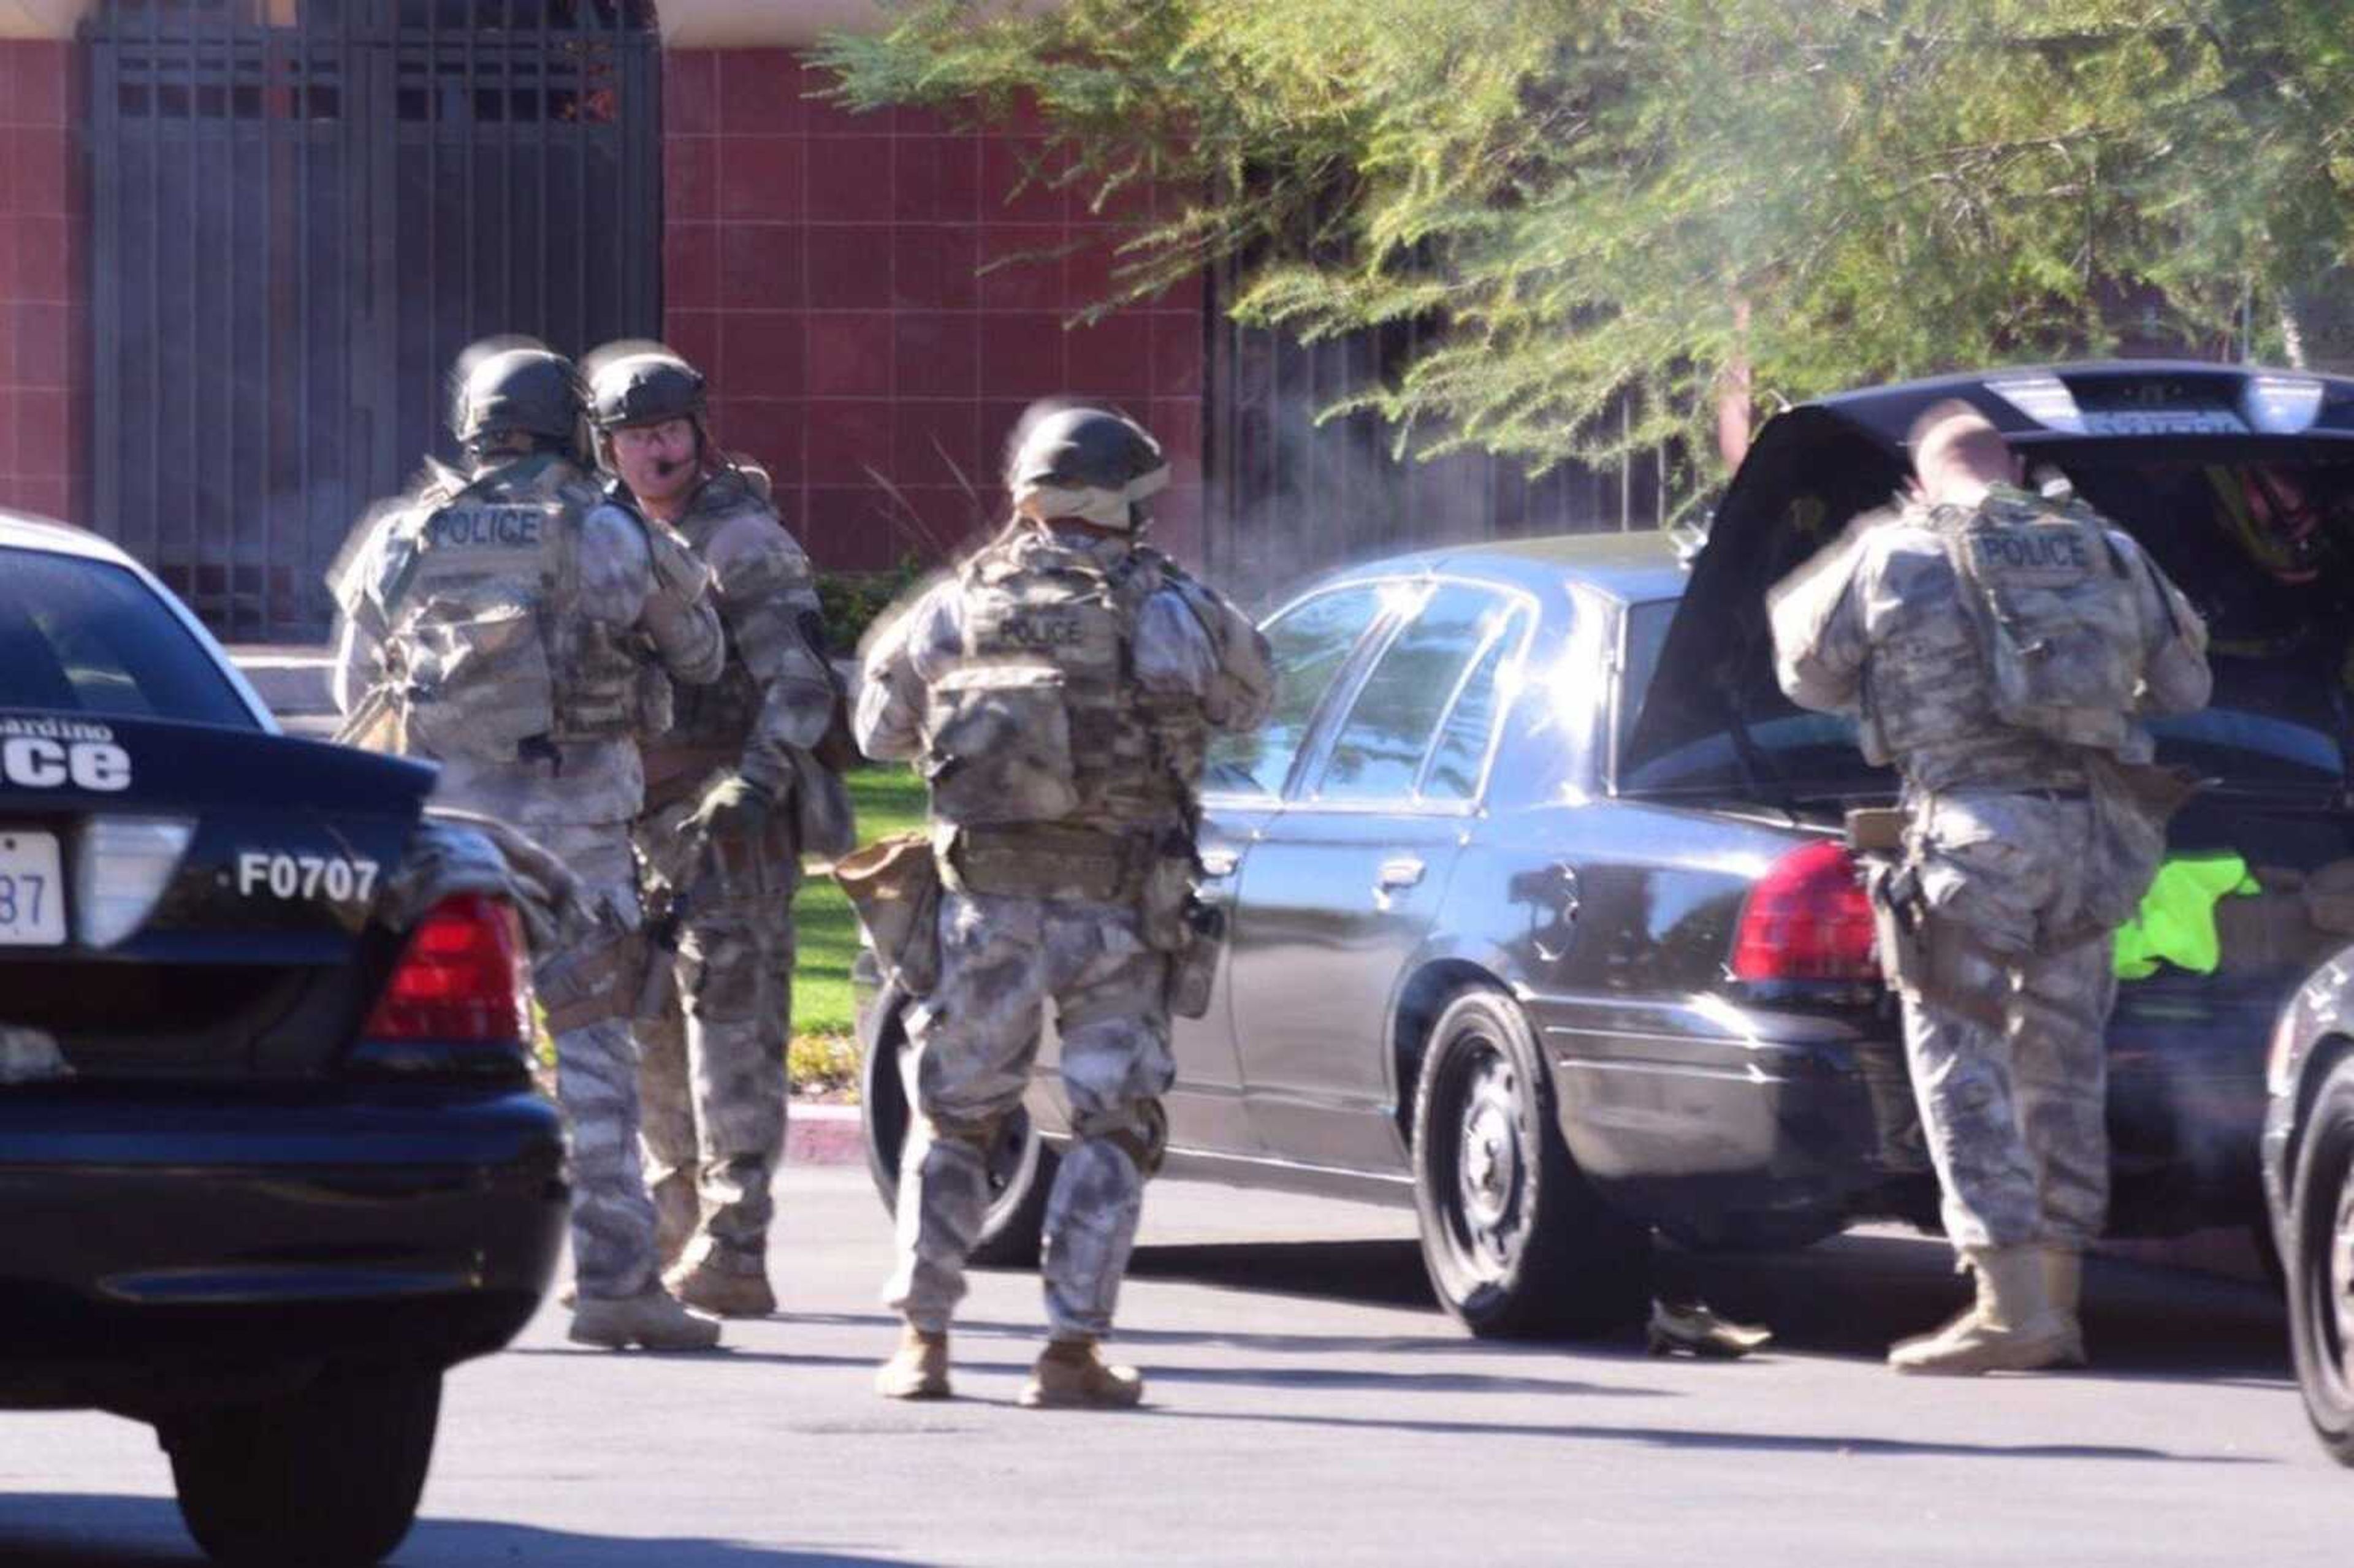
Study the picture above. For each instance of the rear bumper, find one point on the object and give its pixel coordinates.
(165, 1246)
(1801, 1121)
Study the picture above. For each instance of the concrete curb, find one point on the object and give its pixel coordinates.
(823, 1135)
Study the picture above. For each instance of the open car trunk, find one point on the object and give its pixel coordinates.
(2178, 456)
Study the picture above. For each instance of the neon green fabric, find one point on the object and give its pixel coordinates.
(2177, 922)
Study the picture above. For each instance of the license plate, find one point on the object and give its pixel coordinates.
(32, 901)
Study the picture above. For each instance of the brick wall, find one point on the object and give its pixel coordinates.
(44, 357)
(822, 268)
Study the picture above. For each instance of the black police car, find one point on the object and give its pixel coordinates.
(270, 1159)
(2308, 1164)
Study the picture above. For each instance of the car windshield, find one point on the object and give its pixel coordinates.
(2278, 602)
(87, 637)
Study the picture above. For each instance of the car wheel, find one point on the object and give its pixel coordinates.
(329, 1475)
(1516, 1241)
(1020, 1166)
(2320, 1264)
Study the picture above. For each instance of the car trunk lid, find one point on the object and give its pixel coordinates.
(218, 885)
(2134, 439)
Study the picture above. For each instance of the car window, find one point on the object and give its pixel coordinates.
(1309, 645)
(1379, 750)
(1460, 752)
(82, 636)
(1646, 633)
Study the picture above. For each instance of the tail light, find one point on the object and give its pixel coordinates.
(464, 979)
(1806, 919)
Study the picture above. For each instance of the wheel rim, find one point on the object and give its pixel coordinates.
(2339, 1321)
(1012, 1160)
(1487, 1200)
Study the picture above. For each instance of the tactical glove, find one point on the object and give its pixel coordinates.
(733, 808)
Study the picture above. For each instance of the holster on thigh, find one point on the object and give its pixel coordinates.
(1960, 974)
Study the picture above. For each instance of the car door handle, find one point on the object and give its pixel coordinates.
(1403, 872)
(1218, 863)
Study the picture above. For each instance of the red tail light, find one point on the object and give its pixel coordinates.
(465, 979)
(1806, 919)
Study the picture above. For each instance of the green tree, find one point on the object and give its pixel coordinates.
(1703, 206)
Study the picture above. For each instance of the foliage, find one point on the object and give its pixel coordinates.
(888, 800)
(822, 1066)
(851, 601)
(1679, 201)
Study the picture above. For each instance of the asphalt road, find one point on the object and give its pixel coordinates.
(1308, 1404)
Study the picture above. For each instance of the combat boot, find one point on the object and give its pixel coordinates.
(707, 1284)
(651, 1318)
(918, 1369)
(1071, 1375)
(2010, 1327)
(2063, 1283)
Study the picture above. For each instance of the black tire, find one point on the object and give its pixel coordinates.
(1516, 1243)
(328, 1476)
(1021, 1168)
(2320, 1265)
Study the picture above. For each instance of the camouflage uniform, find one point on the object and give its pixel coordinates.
(713, 1071)
(2022, 872)
(530, 543)
(1060, 690)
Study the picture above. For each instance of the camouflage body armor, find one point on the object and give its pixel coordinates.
(481, 662)
(1041, 721)
(2055, 618)
(1060, 777)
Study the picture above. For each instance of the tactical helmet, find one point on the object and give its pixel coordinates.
(1069, 461)
(639, 382)
(514, 385)
(2277, 522)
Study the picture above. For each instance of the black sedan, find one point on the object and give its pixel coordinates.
(270, 1159)
(1539, 917)
(2308, 1166)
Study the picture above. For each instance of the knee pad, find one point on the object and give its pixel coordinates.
(1144, 1137)
(980, 1132)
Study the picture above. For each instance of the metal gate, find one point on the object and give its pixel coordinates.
(302, 210)
(1289, 498)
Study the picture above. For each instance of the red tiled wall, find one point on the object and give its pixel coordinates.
(821, 267)
(44, 207)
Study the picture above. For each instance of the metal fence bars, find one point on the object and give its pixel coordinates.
(302, 210)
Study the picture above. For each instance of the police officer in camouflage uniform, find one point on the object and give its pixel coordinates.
(1996, 647)
(512, 624)
(730, 788)
(1058, 689)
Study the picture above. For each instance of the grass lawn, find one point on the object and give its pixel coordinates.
(889, 800)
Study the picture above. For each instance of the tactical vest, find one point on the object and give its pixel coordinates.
(487, 652)
(1040, 721)
(2052, 603)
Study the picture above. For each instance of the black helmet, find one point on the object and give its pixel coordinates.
(504, 386)
(639, 382)
(1067, 460)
